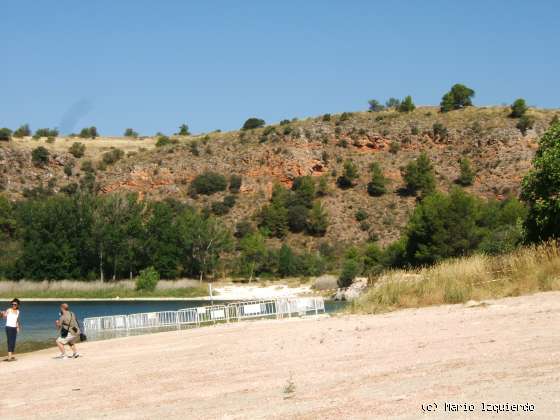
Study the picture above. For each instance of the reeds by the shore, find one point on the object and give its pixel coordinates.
(98, 289)
(526, 270)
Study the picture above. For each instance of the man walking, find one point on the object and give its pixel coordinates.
(69, 332)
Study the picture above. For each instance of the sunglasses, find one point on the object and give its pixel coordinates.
(14, 304)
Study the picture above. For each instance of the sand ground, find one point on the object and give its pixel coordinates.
(383, 366)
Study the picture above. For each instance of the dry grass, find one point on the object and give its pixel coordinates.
(94, 147)
(527, 270)
(97, 289)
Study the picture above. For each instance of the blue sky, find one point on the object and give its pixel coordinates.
(154, 65)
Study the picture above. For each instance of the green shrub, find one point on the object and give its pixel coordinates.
(184, 130)
(219, 208)
(419, 175)
(147, 280)
(5, 134)
(393, 103)
(235, 182)
(209, 183)
(253, 123)
(361, 215)
(375, 105)
(467, 174)
(525, 123)
(112, 156)
(326, 117)
(540, 189)
(317, 220)
(407, 105)
(77, 150)
(378, 184)
(439, 131)
(89, 133)
(297, 218)
(23, 131)
(350, 269)
(394, 147)
(68, 169)
(230, 201)
(165, 141)
(243, 228)
(87, 166)
(458, 97)
(555, 119)
(349, 175)
(129, 132)
(518, 108)
(345, 116)
(45, 132)
(40, 156)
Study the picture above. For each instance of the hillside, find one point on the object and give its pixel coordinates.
(318, 146)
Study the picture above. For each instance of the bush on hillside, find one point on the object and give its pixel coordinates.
(378, 184)
(112, 156)
(541, 189)
(45, 132)
(184, 130)
(165, 141)
(40, 156)
(375, 105)
(23, 131)
(460, 96)
(5, 134)
(350, 174)
(392, 103)
(407, 105)
(518, 108)
(467, 174)
(129, 132)
(419, 175)
(208, 183)
(89, 133)
(235, 182)
(147, 280)
(525, 123)
(440, 131)
(77, 150)
(253, 123)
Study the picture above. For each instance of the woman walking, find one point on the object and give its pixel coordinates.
(12, 327)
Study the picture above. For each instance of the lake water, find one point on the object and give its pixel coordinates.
(37, 319)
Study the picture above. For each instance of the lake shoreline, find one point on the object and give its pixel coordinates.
(222, 293)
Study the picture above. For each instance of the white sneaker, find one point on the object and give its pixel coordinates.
(76, 355)
(61, 356)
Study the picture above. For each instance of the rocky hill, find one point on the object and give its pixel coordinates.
(279, 153)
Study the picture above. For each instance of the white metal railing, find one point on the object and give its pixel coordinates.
(238, 311)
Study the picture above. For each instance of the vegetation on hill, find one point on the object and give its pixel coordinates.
(354, 193)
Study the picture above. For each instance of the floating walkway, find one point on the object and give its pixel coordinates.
(203, 315)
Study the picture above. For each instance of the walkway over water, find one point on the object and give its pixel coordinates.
(195, 317)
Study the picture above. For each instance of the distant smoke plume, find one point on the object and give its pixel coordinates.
(77, 111)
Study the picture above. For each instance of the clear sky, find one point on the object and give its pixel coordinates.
(152, 65)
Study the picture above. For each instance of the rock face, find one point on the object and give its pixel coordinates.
(356, 289)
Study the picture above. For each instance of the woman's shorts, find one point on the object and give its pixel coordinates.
(69, 339)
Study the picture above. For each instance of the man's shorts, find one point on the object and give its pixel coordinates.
(69, 339)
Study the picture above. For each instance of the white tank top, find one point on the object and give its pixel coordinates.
(12, 317)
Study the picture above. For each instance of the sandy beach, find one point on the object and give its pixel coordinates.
(384, 366)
